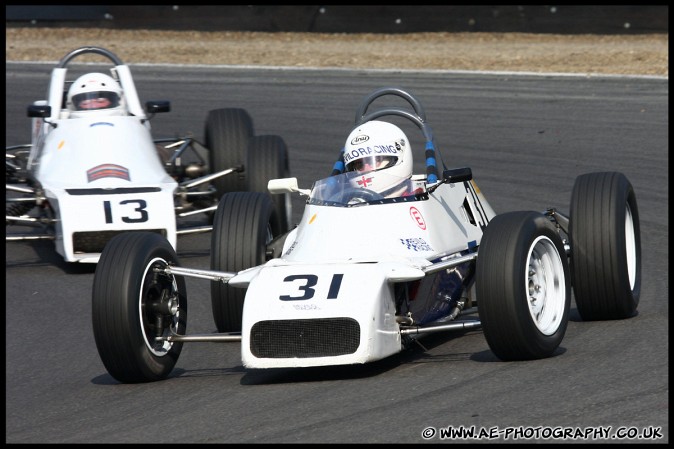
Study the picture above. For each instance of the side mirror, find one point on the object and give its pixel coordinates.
(457, 175)
(285, 185)
(39, 110)
(155, 106)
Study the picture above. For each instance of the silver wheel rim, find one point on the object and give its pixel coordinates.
(545, 285)
(158, 347)
(630, 247)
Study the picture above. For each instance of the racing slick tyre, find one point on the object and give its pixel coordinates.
(605, 246)
(241, 232)
(268, 159)
(522, 286)
(133, 303)
(226, 135)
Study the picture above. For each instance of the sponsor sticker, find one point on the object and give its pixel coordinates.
(418, 218)
(416, 244)
(108, 171)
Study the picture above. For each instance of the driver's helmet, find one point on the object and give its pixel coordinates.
(382, 151)
(95, 94)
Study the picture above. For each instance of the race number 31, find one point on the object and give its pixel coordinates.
(306, 287)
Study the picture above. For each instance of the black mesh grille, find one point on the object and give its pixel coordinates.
(327, 337)
(94, 242)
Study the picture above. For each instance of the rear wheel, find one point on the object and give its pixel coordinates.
(605, 246)
(133, 303)
(268, 159)
(227, 134)
(241, 232)
(522, 286)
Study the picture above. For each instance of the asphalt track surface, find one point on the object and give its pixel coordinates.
(526, 139)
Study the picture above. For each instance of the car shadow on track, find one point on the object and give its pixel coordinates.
(417, 352)
(41, 253)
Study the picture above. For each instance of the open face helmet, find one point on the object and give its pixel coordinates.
(95, 94)
(381, 152)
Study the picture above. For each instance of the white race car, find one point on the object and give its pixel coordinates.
(87, 177)
(320, 295)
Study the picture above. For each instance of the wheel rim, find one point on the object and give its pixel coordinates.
(158, 307)
(545, 285)
(630, 247)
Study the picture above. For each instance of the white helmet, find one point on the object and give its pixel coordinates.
(95, 94)
(382, 150)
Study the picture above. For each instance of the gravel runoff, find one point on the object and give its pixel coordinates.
(521, 52)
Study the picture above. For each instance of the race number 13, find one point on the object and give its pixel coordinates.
(306, 288)
(139, 209)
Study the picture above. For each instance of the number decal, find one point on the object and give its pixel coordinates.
(310, 281)
(334, 286)
(141, 209)
(142, 205)
(108, 211)
(308, 291)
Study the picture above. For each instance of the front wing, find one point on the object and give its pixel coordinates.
(317, 315)
(88, 218)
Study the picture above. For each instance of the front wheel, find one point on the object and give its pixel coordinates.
(522, 286)
(605, 246)
(241, 232)
(135, 305)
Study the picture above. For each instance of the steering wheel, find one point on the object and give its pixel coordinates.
(356, 195)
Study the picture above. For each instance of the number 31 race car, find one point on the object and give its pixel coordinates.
(311, 297)
(90, 174)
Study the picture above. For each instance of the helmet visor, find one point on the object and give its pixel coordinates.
(371, 163)
(90, 101)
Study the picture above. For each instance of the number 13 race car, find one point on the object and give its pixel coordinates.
(312, 297)
(93, 169)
